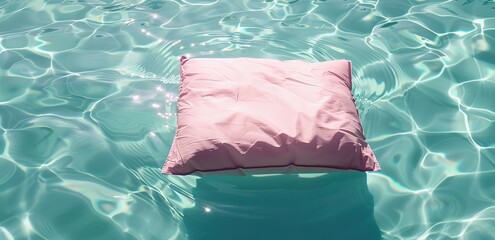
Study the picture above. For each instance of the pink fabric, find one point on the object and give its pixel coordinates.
(248, 113)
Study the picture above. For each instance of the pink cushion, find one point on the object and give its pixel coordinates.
(251, 114)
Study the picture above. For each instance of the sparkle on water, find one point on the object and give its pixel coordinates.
(87, 115)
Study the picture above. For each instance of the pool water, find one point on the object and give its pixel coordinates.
(87, 107)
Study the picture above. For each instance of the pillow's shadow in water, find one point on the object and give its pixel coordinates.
(336, 205)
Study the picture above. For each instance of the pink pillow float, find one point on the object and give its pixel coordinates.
(247, 115)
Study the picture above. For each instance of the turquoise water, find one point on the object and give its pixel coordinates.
(87, 107)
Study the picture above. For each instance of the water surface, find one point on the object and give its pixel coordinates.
(87, 108)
